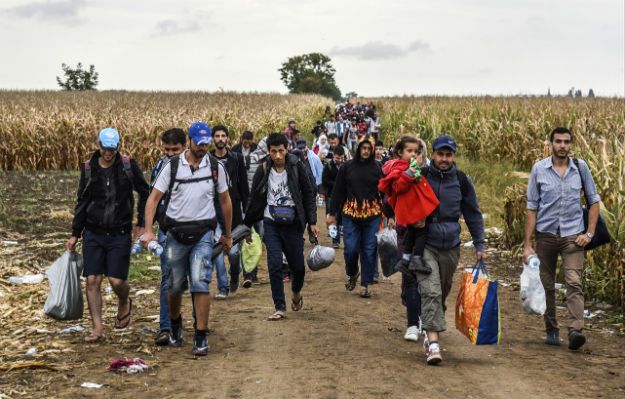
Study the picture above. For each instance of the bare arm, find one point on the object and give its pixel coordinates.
(150, 209)
(530, 226)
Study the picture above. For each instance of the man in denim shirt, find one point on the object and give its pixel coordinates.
(554, 210)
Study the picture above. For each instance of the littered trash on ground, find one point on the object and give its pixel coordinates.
(91, 385)
(130, 366)
(73, 329)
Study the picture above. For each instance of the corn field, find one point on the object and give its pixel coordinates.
(43, 130)
(517, 130)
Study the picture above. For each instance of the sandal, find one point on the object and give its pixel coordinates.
(119, 320)
(364, 293)
(162, 338)
(94, 339)
(277, 316)
(297, 305)
(350, 284)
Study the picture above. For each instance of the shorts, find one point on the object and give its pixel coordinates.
(107, 255)
(189, 260)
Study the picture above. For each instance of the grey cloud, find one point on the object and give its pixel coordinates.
(377, 50)
(169, 27)
(59, 11)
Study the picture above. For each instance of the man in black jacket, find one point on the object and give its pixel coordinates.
(103, 217)
(283, 198)
(356, 198)
(330, 171)
(245, 147)
(239, 193)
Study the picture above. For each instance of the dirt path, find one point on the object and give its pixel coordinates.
(339, 346)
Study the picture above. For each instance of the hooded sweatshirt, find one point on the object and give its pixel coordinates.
(355, 193)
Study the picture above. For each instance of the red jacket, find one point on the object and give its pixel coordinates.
(411, 202)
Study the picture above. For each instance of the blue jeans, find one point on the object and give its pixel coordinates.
(189, 260)
(165, 319)
(287, 239)
(234, 257)
(360, 239)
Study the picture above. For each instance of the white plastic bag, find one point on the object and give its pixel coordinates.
(320, 257)
(532, 291)
(65, 296)
(387, 251)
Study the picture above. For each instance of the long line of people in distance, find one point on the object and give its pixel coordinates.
(198, 194)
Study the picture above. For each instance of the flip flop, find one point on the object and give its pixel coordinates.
(297, 305)
(277, 316)
(119, 320)
(94, 339)
(364, 293)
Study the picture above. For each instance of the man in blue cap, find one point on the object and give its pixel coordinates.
(457, 197)
(103, 218)
(192, 180)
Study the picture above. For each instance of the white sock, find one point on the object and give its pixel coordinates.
(434, 346)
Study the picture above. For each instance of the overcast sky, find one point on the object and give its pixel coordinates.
(377, 47)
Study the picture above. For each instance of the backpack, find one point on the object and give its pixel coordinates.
(127, 171)
(175, 163)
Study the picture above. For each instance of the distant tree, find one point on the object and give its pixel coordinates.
(310, 73)
(578, 94)
(571, 92)
(351, 95)
(591, 94)
(78, 78)
(549, 92)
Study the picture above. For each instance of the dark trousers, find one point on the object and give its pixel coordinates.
(413, 300)
(414, 241)
(360, 242)
(287, 239)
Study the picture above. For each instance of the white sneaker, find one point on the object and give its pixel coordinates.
(434, 354)
(412, 334)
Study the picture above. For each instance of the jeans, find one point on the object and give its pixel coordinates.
(165, 319)
(290, 240)
(413, 300)
(234, 257)
(360, 239)
(192, 260)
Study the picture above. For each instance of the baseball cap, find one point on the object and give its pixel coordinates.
(201, 133)
(109, 138)
(444, 142)
(301, 144)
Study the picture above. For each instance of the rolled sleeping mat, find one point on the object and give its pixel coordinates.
(238, 234)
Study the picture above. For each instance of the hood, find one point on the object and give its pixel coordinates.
(365, 139)
(393, 164)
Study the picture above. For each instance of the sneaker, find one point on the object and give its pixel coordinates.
(255, 280)
(376, 280)
(553, 338)
(221, 295)
(412, 334)
(286, 278)
(175, 336)
(576, 340)
(247, 283)
(200, 345)
(420, 327)
(350, 284)
(434, 354)
(417, 265)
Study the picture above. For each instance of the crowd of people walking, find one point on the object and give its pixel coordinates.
(197, 197)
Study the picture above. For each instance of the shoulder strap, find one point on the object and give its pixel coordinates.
(581, 177)
(173, 171)
(127, 168)
(464, 182)
(214, 171)
(87, 167)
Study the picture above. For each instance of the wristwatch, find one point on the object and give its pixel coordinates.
(590, 235)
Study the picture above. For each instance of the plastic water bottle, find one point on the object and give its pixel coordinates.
(155, 248)
(533, 261)
(333, 230)
(136, 247)
(27, 279)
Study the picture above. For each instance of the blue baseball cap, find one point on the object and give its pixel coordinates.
(109, 138)
(201, 133)
(444, 142)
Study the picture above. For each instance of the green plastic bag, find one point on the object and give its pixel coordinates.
(251, 253)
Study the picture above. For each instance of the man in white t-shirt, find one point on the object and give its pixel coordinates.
(190, 221)
(282, 195)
